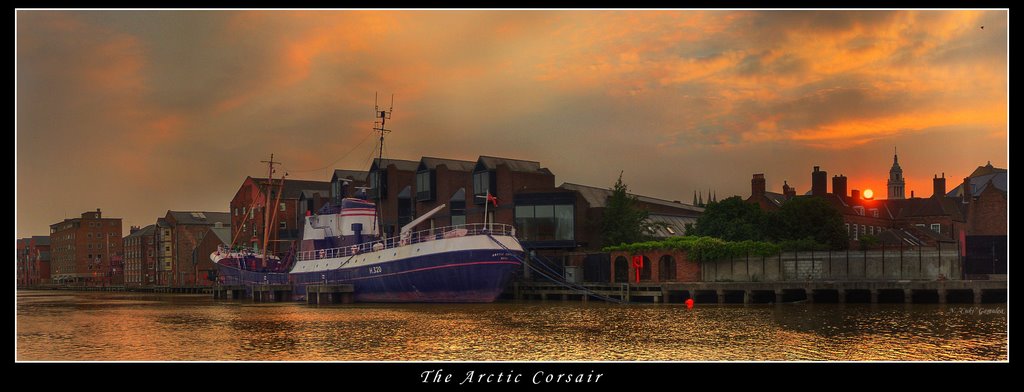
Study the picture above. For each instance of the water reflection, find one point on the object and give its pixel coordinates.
(155, 327)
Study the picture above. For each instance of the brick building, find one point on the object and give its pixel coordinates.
(391, 185)
(33, 261)
(140, 256)
(248, 207)
(443, 181)
(82, 249)
(658, 266)
(345, 182)
(187, 230)
(916, 221)
(559, 223)
(986, 203)
(213, 237)
(164, 252)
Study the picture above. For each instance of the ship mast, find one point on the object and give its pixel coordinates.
(381, 167)
(266, 208)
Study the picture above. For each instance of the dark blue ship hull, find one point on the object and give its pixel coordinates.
(456, 276)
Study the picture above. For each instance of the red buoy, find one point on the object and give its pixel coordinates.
(689, 303)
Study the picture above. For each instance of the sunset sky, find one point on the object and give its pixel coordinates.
(140, 112)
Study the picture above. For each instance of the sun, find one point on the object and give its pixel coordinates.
(868, 194)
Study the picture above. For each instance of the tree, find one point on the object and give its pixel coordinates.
(809, 217)
(623, 221)
(731, 219)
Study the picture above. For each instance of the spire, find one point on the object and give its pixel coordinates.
(709, 195)
(715, 197)
(694, 197)
(700, 201)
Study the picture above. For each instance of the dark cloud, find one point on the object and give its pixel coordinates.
(144, 111)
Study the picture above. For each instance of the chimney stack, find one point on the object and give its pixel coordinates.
(855, 194)
(788, 191)
(839, 185)
(819, 182)
(757, 187)
(133, 229)
(939, 186)
(967, 191)
(911, 194)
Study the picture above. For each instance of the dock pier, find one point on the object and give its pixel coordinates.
(323, 294)
(889, 291)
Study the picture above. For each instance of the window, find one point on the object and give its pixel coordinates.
(378, 184)
(457, 206)
(670, 230)
(236, 211)
(855, 233)
(545, 222)
(284, 225)
(482, 185)
(874, 212)
(859, 210)
(424, 185)
(282, 207)
(848, 230)
(936, 227)
(458, 220)
(250, 213)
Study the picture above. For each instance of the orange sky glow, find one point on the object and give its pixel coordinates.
(139, 112)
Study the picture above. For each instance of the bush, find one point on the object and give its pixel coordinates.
(702, 248)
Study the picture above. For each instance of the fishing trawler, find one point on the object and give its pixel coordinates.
(343, 244)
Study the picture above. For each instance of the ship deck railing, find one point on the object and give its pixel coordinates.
(428, 235)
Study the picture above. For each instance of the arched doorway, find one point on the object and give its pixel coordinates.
(645, 271)
(667, 268)
(621, 270)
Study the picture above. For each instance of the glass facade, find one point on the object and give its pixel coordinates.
(545, 222)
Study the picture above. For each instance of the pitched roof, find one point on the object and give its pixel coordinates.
(896, 236)
(357, 175)
(222, 233)
(981, 182)
(516, 165)
(987, 169)
(932, 206)
(307, 194)
(452, 164)
(400, 164)
(200, 217)
(148, 230)
(598, 197)
(677, 225)
(775, 198)
(293, 188)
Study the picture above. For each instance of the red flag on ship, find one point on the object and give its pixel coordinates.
(492, 199)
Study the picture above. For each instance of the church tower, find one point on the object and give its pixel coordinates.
(896, 184)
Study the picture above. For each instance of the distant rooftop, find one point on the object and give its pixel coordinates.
(598, 197)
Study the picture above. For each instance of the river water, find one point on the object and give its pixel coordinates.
(108, 326)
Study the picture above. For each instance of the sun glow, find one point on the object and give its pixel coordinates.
(869, 194)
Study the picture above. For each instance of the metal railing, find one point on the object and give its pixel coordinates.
(417, 237)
